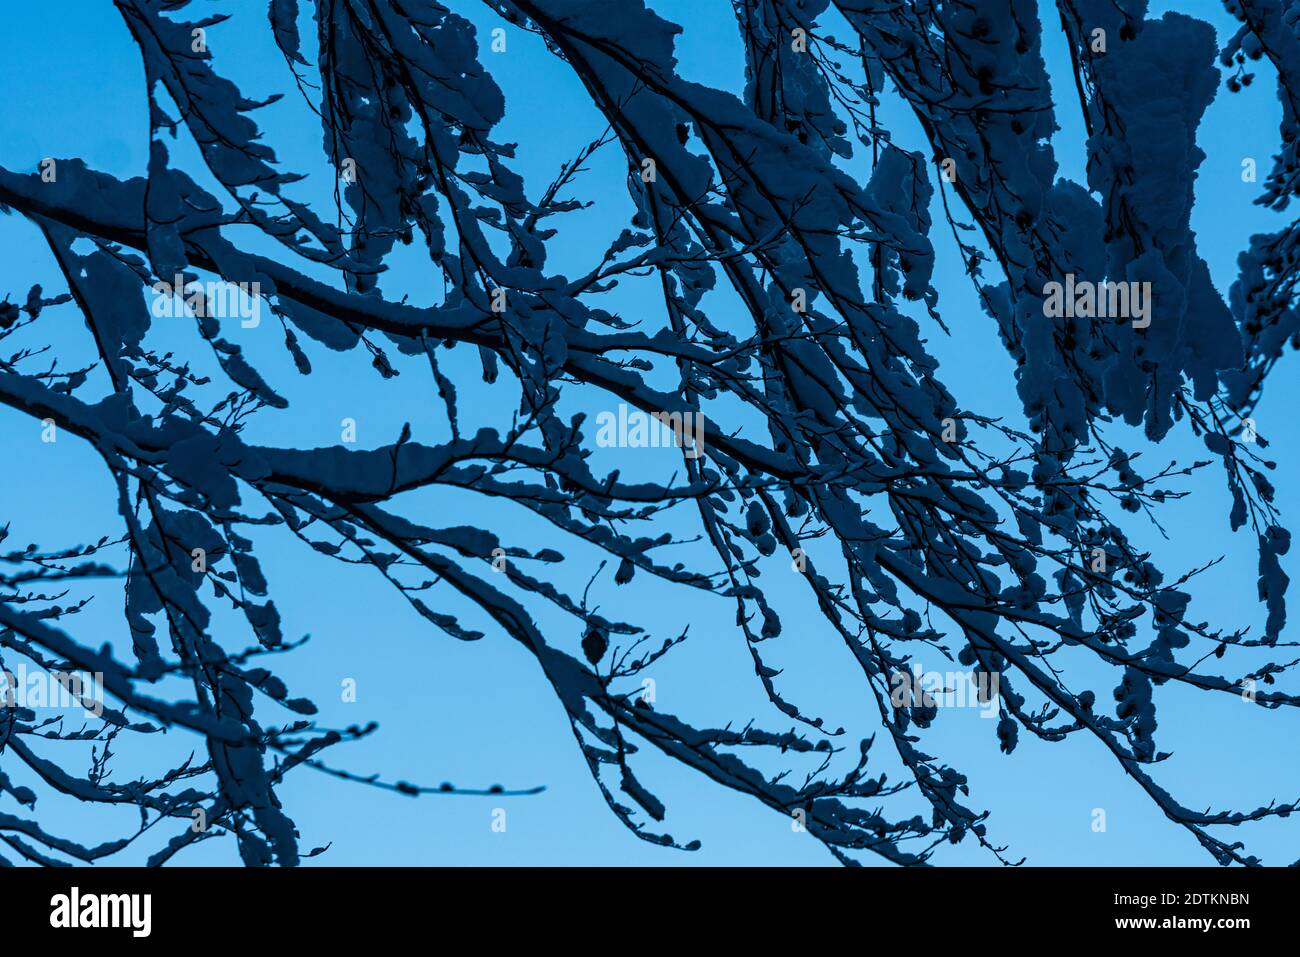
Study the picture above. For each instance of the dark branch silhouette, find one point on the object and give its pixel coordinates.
(784, 238)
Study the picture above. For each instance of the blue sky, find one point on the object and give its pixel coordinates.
(478, 714)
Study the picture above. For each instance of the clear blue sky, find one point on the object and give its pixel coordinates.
(480, 713)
